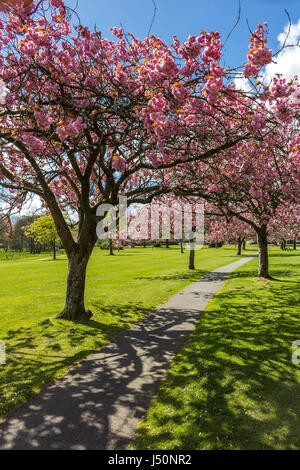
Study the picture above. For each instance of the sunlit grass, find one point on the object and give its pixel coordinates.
(234, 385)
(120, 290)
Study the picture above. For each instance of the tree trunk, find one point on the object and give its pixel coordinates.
(262, 240)
(239, 249)
(294, 244)
(54, 250)
(74, 308)
(111, 251)
(181, 246)
(192, 258)
(244, 244)
(167, 243)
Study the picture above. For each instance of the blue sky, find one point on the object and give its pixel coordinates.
(184, 17)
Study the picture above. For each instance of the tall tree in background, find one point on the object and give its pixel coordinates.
(218, 229)
(44, 232)
(18, 240)
(254, 183)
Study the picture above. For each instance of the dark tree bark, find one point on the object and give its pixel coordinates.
(295, 244)
(181, 246)
(111, 251)
(262, 241)
(244, 244)
(283, 245)
(54, 250)
(79, 253)
(167, 243)
(74, 307)
(192, 257)
(239, 248)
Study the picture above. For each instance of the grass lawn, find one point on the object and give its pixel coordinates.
(120, 290)
(234, 386)
(18, 255)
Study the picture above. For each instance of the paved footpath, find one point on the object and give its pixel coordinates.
(99, 403)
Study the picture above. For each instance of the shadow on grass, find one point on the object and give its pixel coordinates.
(39, 354)
(192, 275)
(96, 405)
(234, 385)
(284, 253)
(131, 253)
(274, 272)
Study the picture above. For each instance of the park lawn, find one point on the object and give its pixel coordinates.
(234, 386)
(17, 255)
(120, 290)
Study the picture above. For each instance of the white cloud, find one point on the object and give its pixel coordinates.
(288, 60)
(293, 34)
(242, 83)
(31, 205)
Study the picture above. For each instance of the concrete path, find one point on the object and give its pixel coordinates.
(99, 403)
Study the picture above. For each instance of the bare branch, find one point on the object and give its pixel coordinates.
(235, 25)
(153, 17)
(285, 45)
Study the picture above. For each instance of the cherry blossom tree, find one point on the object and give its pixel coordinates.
(286, 226)
(218, 229)
(84, 119)
(257, 178)
(254, 182)
(10, 5)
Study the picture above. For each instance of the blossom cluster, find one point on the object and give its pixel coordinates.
(259, 55)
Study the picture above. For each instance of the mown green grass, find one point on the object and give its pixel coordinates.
(18, 255)
(120, 290)
(234, 385)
